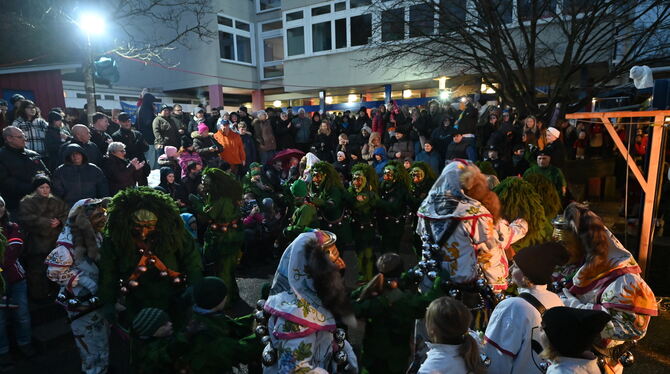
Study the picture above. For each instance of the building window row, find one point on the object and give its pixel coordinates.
(235, 40)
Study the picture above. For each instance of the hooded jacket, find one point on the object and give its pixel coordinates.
(379, 165)
(145, 117)
(75, 182)
(17, 169)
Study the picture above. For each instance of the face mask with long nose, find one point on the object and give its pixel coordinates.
(144, 224)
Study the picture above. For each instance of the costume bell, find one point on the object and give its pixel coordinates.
(73, 265)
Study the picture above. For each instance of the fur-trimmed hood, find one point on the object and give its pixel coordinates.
(78, 232)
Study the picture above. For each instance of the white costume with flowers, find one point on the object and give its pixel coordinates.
(617, 288)
(300, 327)
(78, 277)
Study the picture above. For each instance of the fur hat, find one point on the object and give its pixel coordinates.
(39, 180)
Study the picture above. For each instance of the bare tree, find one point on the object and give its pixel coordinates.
(140, 29)
(517, 46)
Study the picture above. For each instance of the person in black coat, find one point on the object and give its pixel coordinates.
(76, 179)
(441, 136)
(120, 172)
(81, 135)
(135, 144)
(18, 167)
(54, 138)
(555, 148)
(169, 185)
(284, 132)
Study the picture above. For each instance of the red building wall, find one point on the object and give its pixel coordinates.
(46, 86)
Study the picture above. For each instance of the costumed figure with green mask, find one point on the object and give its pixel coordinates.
(73, 265)
(255, 183)
(148, 257)
(304, 217)
(365, 197)
(224, 235)
(328, 195)
(393, 205)
(389, 304)
(422, 178)
(298, 321)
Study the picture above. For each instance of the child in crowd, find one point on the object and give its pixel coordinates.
(187, 154)
(170, 159)
(453, 349)
(153, 345)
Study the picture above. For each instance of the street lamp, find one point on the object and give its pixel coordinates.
(91, 24)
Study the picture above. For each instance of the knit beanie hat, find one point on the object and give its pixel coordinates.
(299, 188)
(54, 116)
(39, 180)
(202, 128)
(209, 292)
(572, 331)
(186, 141)
(554, 132)
(170, 151)
(148, 320)
(538, 262)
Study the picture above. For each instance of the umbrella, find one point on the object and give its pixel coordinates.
(286, 155)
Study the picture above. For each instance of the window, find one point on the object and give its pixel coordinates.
(452, 15)
(361, 29)
(295, 41)
(293, 16)
(340, 6)
(242, 25)
(529, 9)
(393, 24)
(503, 9)
(274, 71)
(341, 33)
(359, 3)
(235, 41)
(226, 45)
(243, 49)
(225, 21)
(263, 5)
(320, 10)
(321, 37)
(574, 7)
(421, 20)
(109, 97)
(270, 26)
(273, 49)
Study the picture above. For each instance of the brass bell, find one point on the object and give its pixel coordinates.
(124, 290)
(142, 269)
(152, 261)
(163, 273)
(133, 283)
(176, 280)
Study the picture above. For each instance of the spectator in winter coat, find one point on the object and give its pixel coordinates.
(76, 179)
(187, 154)
(264, 136)
(441, 136)
(120, 172)
(431, 157)
(55, 137)
(135, 144)
(180, 119)
(519, 162)
(467, 121)
(285, 132)
(213, 118)
(368, 150)
(198, 118)
(250, 153)
(16, 301)
(18, 166)
(554, 146)
(302, 126)
(459, 148)
(402, 147)
(81, 135)
(99, 135)
(233, 148)
(379, 121)
(170, 159)
(324, 143)
(33, 126)
(362, 120)
(165, 131)
(380, 161)
(169, 185)
(206, 146)
(42, 216)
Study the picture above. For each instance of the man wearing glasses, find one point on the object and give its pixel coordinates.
(18, 166)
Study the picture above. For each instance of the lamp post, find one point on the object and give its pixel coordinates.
(90, 24)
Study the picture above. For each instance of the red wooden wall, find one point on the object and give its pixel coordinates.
(46, 85)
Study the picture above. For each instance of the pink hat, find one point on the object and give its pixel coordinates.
(170, 151)
(202, 128)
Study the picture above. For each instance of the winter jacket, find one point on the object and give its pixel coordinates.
(172, 163)
(75, 182)
(433, 159)
(404, 146)
(285, 135)
(193, 124)
(165, 132)
(12, 271)
(264, 135)
(90, 150)
(120, 173)
(380, 165)
(202, 144)
(145, 117)
(55, 138)
(233, 148)
(17, 169)
(134, 142)
(172, 189)
(35, 215)
(303, 129)
(101, 140)
(185, 158)
(250, 153)
(35, 132)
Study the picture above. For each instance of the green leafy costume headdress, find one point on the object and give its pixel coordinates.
(224, 193)
(125, 203)
(401, 175)
(547, 191)
(430, 176)
(332, 176)
(486, 168)
(369, 173)
(519, 199)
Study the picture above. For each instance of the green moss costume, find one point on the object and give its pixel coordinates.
(393, 206)
(554, 174)
(216, 343)
(328, 195)
(551, 201)
(224, 235)
(121, 253)
(364, 197)
(519, 199)
(304, 217)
